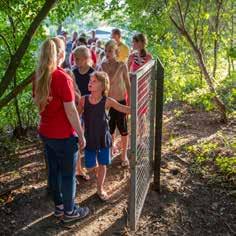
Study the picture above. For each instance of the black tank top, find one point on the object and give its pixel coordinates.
(97, 132)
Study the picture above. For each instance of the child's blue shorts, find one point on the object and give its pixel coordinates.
(102, 156)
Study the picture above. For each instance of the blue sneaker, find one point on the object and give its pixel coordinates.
(58, 212)
(77, 214)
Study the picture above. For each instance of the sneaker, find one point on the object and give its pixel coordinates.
(58, 212)
(77, 214)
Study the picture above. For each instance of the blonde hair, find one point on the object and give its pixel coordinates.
(83, 51)
(102, 77)
(60, 46)
(111, 44)
(46, 65)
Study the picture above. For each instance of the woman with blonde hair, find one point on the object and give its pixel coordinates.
(58, 128)
(98, 138)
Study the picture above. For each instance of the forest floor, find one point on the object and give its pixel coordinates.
(196, 197)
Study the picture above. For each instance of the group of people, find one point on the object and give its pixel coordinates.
(83, 102)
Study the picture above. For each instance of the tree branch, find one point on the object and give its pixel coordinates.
(181, 14)
(176, 24)
(21, 50)
(186, 10)
(19, 88)
(13, 30)
(6, 43)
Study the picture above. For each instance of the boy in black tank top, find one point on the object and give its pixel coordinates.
(97, 134)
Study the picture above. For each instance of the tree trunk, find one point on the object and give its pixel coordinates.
(21, 50)
(17, 110)
(218, 102)
(216, 41)
(229, 66)
(181, 28)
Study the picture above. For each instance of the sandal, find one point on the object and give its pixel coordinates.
(83, 176)
(115, 151)
(125, 163)
(103, 196)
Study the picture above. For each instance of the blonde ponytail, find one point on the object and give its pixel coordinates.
(46, 65)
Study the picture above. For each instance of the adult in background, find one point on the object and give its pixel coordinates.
(93, 39)
(123, 50)
(69, 45)
(58, 127)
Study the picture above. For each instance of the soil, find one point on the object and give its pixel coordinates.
(188, 204)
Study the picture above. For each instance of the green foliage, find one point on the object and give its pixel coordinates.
(215, 156)
(227, 90)
(28, 113)
(227, 164)
(183, 79)
(232, 52)
(15, 19)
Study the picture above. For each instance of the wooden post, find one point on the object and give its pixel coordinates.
(158, 128)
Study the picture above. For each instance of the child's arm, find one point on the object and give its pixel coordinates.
(77, 91)
(127, 82)
(80, 106)
(110, 102)
(130, 59)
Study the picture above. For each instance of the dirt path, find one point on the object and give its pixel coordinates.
(189, 204)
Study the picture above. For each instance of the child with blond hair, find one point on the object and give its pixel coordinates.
(82, 71)
(97, 135)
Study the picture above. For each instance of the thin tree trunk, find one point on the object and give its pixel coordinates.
(232, 63)
(17, 109)
(21, 50)
(216, 41)
(218, 102)
(229, 66)
(181, 28)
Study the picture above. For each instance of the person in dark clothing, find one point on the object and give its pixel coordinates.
(82, 68)
(97, 134)
(93, 39)
(82, 71)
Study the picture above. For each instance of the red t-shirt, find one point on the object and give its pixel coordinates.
(54, 122)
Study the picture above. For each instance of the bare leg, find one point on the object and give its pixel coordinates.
(114, 145)
(80, 171)
(101, 175)
(78, 166)
(124, 141)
